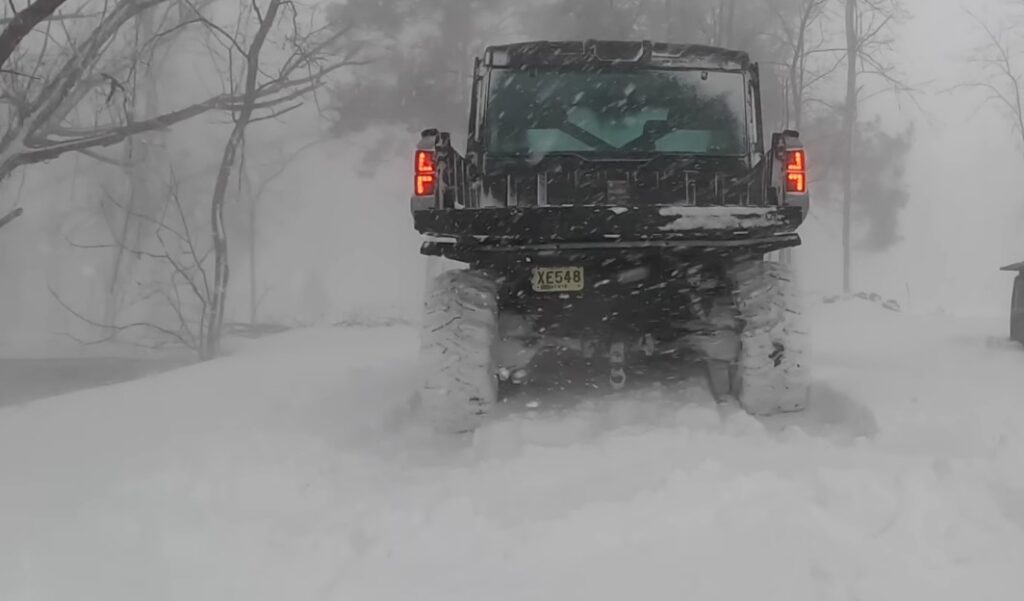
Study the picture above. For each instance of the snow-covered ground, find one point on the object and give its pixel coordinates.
(295, 470)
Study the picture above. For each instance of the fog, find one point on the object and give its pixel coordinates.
(333, 212)
(262, 154)
(963, 175)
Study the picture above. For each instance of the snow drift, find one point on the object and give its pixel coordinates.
(295, 470)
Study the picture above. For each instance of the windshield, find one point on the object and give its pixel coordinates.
(544, 112)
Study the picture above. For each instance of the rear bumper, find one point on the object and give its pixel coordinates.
(457, 233)
(474, 253)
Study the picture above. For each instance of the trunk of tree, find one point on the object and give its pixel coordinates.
(214, 319)
(221, 271)
(23, 23)
(253, 301)
(849, 125)
(9, 217)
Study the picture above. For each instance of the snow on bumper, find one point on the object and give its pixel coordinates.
(722, 218)
(587, 224)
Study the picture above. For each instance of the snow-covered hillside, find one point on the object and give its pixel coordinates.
(295, 470)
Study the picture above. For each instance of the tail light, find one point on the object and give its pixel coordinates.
(426, 173)
(796, 171)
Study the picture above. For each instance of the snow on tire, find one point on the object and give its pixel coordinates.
(459, 384)
(773, 375)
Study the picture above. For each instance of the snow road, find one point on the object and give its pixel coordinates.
(295, 470)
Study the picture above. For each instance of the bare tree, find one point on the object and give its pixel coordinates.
(809, 60)
(256, 188)
(43, 87)
(807, 53)
(999, 74)
(18, 27)
(141, 159)
(310, 52)
(849, 123)
(268, 74)
(869, 42)
(181, 283)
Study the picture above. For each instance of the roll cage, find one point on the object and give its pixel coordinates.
(594, 55)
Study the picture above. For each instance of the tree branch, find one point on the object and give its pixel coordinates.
(105, 159)
(115, 329)
(268, 95)
(11, 216)
(23, 23)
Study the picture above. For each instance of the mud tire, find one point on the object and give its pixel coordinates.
(459, 385)
(773, 373)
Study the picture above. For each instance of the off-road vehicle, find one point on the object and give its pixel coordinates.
(617, 202)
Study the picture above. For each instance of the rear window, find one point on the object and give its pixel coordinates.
(543, 112)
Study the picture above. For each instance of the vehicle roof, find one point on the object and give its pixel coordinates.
(596, 53)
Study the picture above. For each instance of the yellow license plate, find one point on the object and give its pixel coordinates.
(558, 279)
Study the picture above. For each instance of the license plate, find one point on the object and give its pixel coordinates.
(558, 279)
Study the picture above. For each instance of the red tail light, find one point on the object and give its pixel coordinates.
(796, 171)
(426, 174)
(796, 183)
(425, 185)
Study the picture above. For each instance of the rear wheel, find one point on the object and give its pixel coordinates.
(458, 381)
(773, 375)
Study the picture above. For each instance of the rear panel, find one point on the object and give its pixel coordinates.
(666, 180)
(629, 293)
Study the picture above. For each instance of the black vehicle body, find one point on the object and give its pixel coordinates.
(682, 216)
(644, 235)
